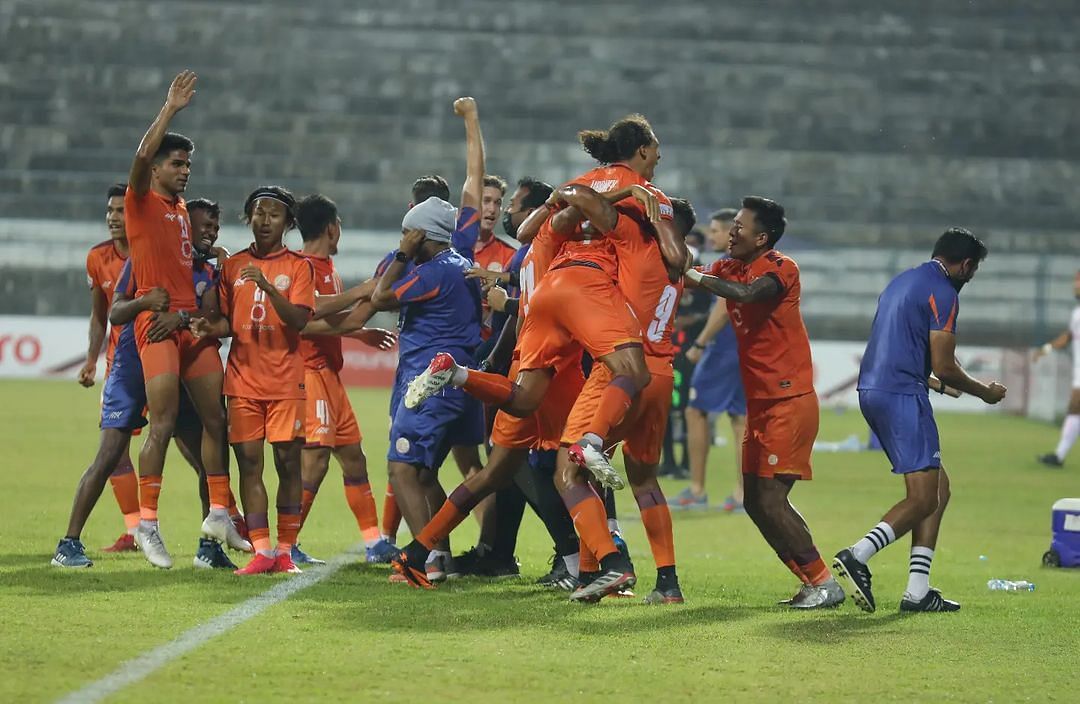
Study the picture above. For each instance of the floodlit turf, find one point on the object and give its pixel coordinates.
(355, 637)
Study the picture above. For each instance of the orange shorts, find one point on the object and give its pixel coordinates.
(330, 418)
(642, 430)
(780, 436)
(280, 420)
(575, 307)
(180, 354)
(543, 429)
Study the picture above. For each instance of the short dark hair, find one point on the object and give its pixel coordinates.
(618, 142)
(769, 215)
(957, 244)
(170, 143)
(684, 215)
(427, 186)
(493, 181)
(314, 214)
(724, 214)
(537, 192)
(278, 193)
(210, 207)
(115, 190)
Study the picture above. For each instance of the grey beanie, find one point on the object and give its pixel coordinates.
(434, 216)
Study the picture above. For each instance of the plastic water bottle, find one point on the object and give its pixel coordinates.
(1008, 585)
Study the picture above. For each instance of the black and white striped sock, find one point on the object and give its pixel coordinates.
(879, 536)
(919, 572)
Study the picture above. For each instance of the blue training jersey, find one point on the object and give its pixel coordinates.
(897, 357)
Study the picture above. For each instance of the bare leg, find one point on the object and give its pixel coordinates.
(111, 448)
(697, 431)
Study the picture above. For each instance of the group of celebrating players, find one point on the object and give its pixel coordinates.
(550, 355)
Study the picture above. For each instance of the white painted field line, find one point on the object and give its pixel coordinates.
(151, 661)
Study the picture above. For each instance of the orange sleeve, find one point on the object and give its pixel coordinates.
(302, 293)
(93, 278)
(720, 267)
(786, 272)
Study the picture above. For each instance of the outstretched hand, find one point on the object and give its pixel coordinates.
(378, 338)
(182, 90)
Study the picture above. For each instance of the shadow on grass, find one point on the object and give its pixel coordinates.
(837, 626)
(362, 600)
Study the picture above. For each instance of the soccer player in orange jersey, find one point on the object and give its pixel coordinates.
(491, 253)
(267, 296)
(762, 289)
(583, 270)
(331, 423)
(103, 264)
(159, 234)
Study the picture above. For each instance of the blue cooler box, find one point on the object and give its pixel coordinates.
(1065, 542)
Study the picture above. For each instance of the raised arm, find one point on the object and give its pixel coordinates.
(472, 192)
(584, 204)
(384, 297)
(180, 94)
(948, 370)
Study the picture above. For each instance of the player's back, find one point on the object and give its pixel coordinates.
(897, 356)
(440, 310)
(323, 351)
(774, 348)
(264, 359)
(644, 281)
(159, 237)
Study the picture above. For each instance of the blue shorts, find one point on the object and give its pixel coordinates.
(904, 424)
(716, 386)
(123, 400)
(423, 436)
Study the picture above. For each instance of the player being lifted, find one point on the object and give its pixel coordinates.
(159, 234)
(266, 296)
(914, 333)
(582, 270)
(762, 289)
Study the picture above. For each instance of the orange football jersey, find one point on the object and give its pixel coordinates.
(265, 362)
(103, 265)
(323, 351)
(774, 349)
(159, 236)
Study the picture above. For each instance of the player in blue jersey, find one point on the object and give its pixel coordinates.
(440, 312)
(914, 334)
(124, 396)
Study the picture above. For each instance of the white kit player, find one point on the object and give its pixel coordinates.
(1070, 429)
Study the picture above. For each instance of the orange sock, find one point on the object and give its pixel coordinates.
(125, 486)
(220, 494)
(614, 402)
(391, 514)
(790, 563)
(310, 490)
(656, 517)
(358, 495)
(288, 526)
(590, 520)
(454, 510)
(587, 562)
(813, 567)
(492, 389)
(149, 489)
(234, 510)
(259, 532)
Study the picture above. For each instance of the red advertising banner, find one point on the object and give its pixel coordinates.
(366, 366)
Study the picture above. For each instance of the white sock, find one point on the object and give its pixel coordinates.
(220, 512)
(573, 564)
(435, 554)
(1070, 430)
(594, 440)
(147, 525)
(879, 536)
(919, 572)
(460, 376)
(613, 526)
(388, 539)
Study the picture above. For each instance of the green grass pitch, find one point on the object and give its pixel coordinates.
(354, 637)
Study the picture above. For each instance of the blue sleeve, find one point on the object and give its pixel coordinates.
(515, 262)
(381, 268)
(944, 308)
(422, 284)
(467, 232)
(125, 283)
